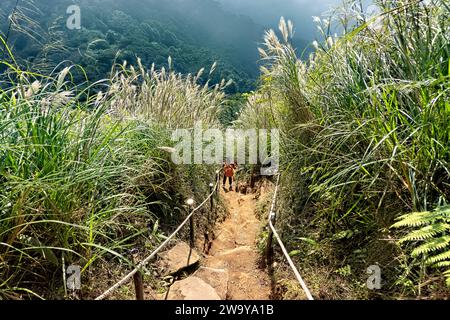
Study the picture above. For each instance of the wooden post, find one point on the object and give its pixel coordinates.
(218, 182)
(190, 203)
(269, 249)
(192, 232)
(137, 277)
(211, 189)
(252, 179)
(139, 285)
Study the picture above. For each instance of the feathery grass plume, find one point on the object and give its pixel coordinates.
(285, 71)
(164, 97)
(81, 185)
(365, 129)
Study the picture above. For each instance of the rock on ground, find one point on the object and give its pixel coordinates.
(216, 278)
(192, 288)
(178, 258)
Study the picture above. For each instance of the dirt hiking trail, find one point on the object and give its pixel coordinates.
(230, 270)
(234, 249)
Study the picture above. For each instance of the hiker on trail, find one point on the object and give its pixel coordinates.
(228, 173)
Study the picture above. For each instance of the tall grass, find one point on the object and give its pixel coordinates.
(82, 178)
(366, 121)
(165, 96)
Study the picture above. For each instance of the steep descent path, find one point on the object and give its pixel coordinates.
(230, 270)
(234, 249)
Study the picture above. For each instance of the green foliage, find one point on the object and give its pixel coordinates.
(431, 236)
(344, 271)
(126, 29)
(231, 110)
(84, 176)
(364, 123)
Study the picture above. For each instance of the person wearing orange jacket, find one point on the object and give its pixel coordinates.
(229, 170)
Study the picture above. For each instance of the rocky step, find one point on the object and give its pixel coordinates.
(180, 257)
(204, 284)
(192, 288)
(216, 278)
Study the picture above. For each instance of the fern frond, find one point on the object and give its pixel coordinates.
(431, 246)
(447, 275)
(417, 219)
(442, 264)
(431, 227)
(438, 258)
(427, 232)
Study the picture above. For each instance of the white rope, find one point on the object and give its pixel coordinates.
(152, 255)
(162, 245)
(272, 216)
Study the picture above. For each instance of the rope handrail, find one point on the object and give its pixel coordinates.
(160, 247)
(272, 216)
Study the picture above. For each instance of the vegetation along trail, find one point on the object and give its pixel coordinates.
(114, 119)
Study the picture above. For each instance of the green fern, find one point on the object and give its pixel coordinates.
(432, 236)
(417, 219)
(427, 232)
(443, 264)
(431, 246)
(443, 259)
(447, 274)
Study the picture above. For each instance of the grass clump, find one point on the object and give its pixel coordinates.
(365, 132)
(82, 177)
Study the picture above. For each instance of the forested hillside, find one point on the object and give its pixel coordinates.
(195, 33)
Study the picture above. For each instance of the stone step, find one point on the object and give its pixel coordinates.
(241, 258)
(235, 251)
(216, 278)
(178, 258)
(192, 288)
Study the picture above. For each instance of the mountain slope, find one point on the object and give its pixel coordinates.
(195, 33)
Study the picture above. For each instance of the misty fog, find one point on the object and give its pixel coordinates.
(194, 33)
(268, 12)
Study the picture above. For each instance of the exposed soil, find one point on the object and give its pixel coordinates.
(235, 250)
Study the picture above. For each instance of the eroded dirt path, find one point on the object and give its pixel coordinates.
(235, 249)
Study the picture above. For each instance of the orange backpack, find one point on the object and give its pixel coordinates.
(229, 170)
